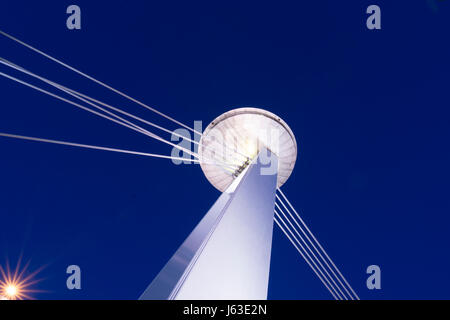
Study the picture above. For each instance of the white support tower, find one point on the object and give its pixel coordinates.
(227, 255)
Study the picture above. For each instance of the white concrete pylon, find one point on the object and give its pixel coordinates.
(227, 255)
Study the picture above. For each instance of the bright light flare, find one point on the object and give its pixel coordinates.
(14, 285)
(11, 290)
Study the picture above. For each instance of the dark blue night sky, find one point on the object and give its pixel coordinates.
(370, 110)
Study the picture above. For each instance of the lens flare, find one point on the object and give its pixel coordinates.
(11, 290)
(16, 285)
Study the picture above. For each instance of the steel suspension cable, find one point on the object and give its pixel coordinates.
(319, 245)
(97, 81)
